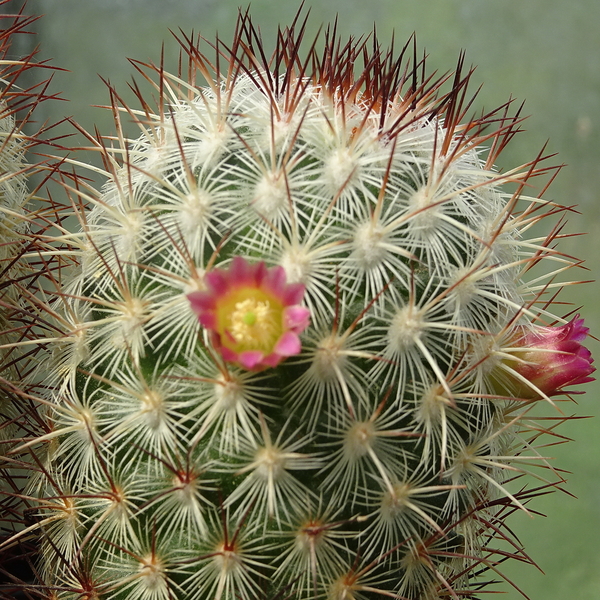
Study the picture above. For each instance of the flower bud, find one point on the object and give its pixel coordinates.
(548, 359)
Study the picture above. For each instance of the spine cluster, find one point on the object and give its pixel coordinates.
(295, 348)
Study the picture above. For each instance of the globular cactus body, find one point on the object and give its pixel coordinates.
(289, 358)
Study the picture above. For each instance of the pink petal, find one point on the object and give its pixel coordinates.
(227, 354)
(293, 293)
(274, 281)
(296, 318)
(272, 360)
(217, 280)
(208, 319)
(250, 358)
(242, 272)
(259, 273)
(288, 344)
(201, 301)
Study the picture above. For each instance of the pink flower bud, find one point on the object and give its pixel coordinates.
(549, 359)
(253, 315)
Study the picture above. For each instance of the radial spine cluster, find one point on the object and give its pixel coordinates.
(283, 358)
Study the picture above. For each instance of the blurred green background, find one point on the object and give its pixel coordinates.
(546, 52)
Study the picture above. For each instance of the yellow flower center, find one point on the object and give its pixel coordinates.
(250, 319)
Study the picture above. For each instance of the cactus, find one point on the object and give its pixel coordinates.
(13, 191)
(23, 218)
(300, 351)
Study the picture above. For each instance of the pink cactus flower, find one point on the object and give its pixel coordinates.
(550, 359)
(253, 315)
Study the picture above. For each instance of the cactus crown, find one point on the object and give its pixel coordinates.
(286, 361)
